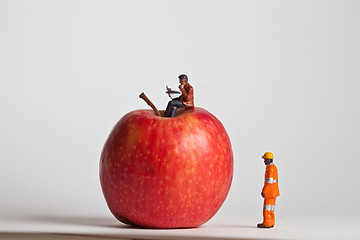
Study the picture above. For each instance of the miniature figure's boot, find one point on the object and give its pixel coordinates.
(268, 213)
(261, 225)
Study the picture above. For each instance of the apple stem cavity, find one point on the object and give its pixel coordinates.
(147, 100)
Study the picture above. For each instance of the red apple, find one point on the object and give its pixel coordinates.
(158, 172)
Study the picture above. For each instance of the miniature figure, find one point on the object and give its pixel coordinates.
(269, 192)
(186, 100)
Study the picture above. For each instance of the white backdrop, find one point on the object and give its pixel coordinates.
(282, 76)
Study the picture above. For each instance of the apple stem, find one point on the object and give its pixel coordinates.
(147, 100)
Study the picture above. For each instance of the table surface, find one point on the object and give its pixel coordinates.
(70, 227)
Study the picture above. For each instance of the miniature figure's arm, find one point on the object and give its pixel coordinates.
(185, 95)
(267, 190)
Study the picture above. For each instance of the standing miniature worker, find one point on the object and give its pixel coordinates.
(186, 100)
(269, 192)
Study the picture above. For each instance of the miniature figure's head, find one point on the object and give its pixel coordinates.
(268, 161)
(183, 79)
(268, 158)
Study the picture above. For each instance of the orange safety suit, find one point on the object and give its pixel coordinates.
(270, 192)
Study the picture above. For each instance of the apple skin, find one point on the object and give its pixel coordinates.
(158, 172)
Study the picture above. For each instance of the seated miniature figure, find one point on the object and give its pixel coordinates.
(186, 100)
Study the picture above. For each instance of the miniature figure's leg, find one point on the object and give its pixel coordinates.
(272, 213)
(267, 218)
(167, 110)
(268, 212)
(172, 106)
(173, 111)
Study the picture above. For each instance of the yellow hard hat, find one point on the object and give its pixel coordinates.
(268, 155)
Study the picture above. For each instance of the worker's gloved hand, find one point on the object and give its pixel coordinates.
(262, 194)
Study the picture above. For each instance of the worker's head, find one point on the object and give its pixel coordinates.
(268, 161)
(268, 158)
(183, 79)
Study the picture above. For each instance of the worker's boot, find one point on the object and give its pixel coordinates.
(261, 225)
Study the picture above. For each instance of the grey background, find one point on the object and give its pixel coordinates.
(282, 76)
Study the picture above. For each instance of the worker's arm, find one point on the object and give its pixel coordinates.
(268, 190)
